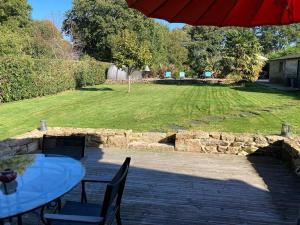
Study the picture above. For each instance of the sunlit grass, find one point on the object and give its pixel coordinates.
(152, 107)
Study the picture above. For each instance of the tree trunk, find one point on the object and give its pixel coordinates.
(129, 83)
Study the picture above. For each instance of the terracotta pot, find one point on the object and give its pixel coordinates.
(8, 175)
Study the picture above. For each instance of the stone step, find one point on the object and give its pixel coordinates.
(140, 145)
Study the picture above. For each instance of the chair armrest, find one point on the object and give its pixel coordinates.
(90, 180)
(95, 180)
(73, 218)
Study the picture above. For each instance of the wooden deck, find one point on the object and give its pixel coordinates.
(170, 188)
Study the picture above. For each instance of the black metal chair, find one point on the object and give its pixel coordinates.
(82, 213)
(72, 146)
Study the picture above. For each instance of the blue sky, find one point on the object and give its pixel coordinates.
(54, 10)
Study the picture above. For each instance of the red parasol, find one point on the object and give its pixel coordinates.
(244, 13)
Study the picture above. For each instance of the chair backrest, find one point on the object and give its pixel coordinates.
(168, 74)
(208, 74)
(114, 192)
(182, 74)
(72, 146)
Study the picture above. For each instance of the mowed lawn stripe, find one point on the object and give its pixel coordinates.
(152, 107)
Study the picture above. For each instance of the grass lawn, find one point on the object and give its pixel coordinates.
(157, 108)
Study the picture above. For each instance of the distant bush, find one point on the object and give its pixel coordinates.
(24, 77)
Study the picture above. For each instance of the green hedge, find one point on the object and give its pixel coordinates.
(22, 78)
(87, 73)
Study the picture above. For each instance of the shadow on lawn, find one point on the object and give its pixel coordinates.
(96, 89)
(239, 86)
(252, 88)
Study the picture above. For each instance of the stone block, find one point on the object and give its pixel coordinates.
(249, 149)
(215, 135)
(193, 145)
(135, 137)
(274, 138)
(200, 135)
(6, 151)
(94, 140)
(96, 144)
(119, 141)
(243, 153)
(162, 147)
(222, 149)
(138, 145)
(214, 142)
(20, 149)
(233, 150)
(260, 140)
(18, 142)
(180, 147)
(249, 144)
(150, 146)
(153, 137)
(210, 149)
(244, 138)
(34, 146)
(227, 137)
(237, 144)
(184, 135)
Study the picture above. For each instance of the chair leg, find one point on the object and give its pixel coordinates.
(118, 217)
(20, 220)
(58, 202)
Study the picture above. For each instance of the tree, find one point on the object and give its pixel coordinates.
(128, 51)
(286, 51)
(47, 41)
(274, 38)
(92, 23)
(242, 54)
(159, 45)
(204, 51)
(177, 51)
(14, 13)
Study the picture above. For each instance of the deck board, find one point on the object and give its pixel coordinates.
(171, 188)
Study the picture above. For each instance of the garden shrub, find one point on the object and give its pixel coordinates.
(24, 77)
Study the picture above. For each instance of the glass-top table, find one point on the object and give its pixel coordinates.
(41, 179)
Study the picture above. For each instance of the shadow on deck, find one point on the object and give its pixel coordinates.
(171, 188)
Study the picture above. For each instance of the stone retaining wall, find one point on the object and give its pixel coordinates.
(227, 143)
(188, 141)
(19, 145)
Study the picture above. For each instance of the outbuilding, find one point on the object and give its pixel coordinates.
(285, 70)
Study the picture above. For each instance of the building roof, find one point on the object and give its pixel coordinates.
(293, 56)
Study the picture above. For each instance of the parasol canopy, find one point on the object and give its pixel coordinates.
(243, 13)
